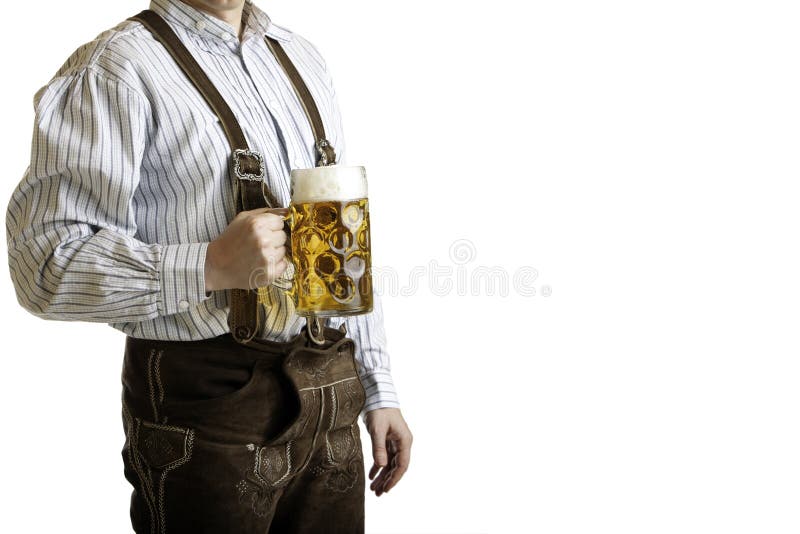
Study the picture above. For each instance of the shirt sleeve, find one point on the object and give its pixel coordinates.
(367, 330)
(71, 225)
(372, 358)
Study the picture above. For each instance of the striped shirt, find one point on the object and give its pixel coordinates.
(129, 179)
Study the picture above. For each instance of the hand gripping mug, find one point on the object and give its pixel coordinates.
(330, 261)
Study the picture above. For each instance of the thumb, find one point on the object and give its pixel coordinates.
(379, 447)
(276, 211)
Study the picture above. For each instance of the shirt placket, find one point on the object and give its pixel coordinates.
(299, 155)
(262, 127)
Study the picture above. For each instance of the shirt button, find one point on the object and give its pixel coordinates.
(183, 305)
(200, 25)
(226, 36)
(299, 163)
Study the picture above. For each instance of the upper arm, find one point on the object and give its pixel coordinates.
(88, 143)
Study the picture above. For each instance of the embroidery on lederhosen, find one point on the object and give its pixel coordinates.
(272, 469)
(343, 457)
(275, 465)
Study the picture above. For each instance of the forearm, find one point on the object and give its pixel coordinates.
(71, 222)
(106, 276)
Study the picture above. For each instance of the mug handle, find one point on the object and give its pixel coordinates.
(285, 281)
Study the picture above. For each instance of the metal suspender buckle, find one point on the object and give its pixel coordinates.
(325, 152)
(248, 165)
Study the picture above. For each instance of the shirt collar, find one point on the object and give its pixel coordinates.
(253, 18)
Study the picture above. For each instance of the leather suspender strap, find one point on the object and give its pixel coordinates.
(248, 166)
(324, 148)
(164, 33)
(244, 318)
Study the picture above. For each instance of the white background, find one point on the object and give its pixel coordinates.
(641, 156)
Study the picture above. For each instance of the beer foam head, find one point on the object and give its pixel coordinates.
(330, 182)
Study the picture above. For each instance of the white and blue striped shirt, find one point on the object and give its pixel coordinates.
(129, 179)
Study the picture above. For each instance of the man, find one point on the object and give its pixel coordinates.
(126, 213)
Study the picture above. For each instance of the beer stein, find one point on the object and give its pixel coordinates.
(329, 236)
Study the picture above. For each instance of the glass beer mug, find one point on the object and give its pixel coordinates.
(329, 236)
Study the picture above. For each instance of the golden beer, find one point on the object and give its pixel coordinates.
(331, 255)
(330, 241)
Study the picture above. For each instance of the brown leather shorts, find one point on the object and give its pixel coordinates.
(223, 437)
